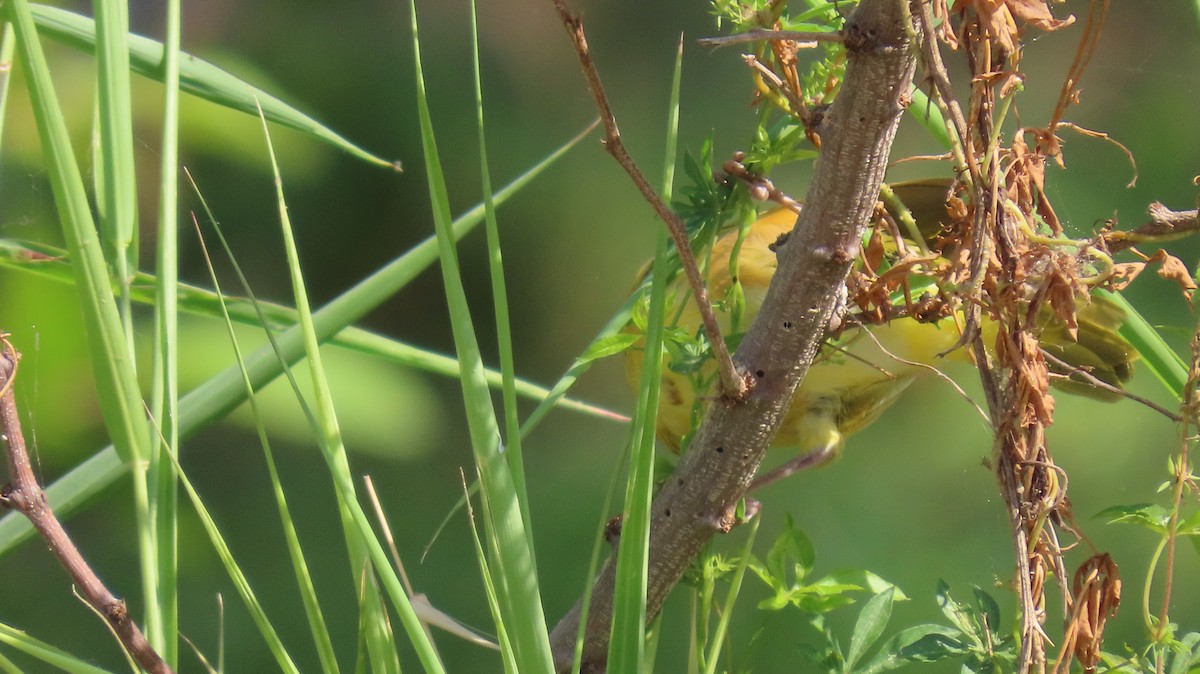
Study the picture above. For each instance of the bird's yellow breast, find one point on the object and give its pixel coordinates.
(852, 381)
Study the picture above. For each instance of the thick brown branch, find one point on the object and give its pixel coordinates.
(25, 495)
(700, 497)
(733, 384)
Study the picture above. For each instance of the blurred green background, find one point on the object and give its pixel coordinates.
(910, 500)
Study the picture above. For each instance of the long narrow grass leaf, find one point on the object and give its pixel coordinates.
(626, 649)
(197, 77)
(380, 640)
(308, 595)
(6, 65)
(512, 563)
(116, 180)
(224, 392)
(164, 397)
(1160, 358)
(45, 652)
(282, 658)
(51, 263)
(489, 589)
(116, 384)
(512, 419)
(735, 586)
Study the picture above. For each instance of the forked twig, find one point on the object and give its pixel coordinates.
(733, 384)
(25, 495)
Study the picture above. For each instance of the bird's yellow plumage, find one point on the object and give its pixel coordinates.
(855, 379)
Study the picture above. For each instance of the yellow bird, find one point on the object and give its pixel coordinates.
(853, 380)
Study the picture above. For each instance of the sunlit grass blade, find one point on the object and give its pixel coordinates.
(1159, 357)
(507, 654)
(116, 383)
(308, 595)
(50, 263)
(117, 389)
(197, 77)
(735, 586)
(599, 542)
(380, 640)
(116, 181)
(164, 395)
(45, 652)
(510, 543)
(626, 648)
(224, 392)
(282, 658)
(615, 324)
(6, 64)
(512, 421)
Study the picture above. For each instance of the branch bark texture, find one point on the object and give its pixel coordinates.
(698, 500)
(25, 495)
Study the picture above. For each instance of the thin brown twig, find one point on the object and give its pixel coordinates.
(733, 384)
(941, 375)
(1095, 382)
(25, 495)
(801, 37)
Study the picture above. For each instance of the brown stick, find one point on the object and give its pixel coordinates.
(24, 495)
(733, 384)
(699, 499)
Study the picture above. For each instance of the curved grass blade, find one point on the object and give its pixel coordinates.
(224, 392)
(510, 543)
(627, 645)
(6, 65)
(164, 389)
(51, 263)
(45, 652)
(196, 77)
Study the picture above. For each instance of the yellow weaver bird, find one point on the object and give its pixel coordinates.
(859, 375)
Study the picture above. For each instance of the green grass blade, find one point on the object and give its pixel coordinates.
(197, 77)
(223, 393)
(615, 324)
(240, 582)
(312, 607)
(116, 383)
(1160, 358)
(735, 586)
(6, 65)
(380, 640)
(511, 543)
(626, 647)
(45, 652)
(489, 589)
(512, 419)
(164, 397)
(112, 365)
(50, 263)
(117, 182)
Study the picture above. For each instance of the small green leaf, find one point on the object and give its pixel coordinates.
(989, 609)
(953, 610)
(932, 647)
(870, 625)
(1149, 515)
(919, 643)
(791, 546)
(1186, 654)
(609, 346)
(1189, 526)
